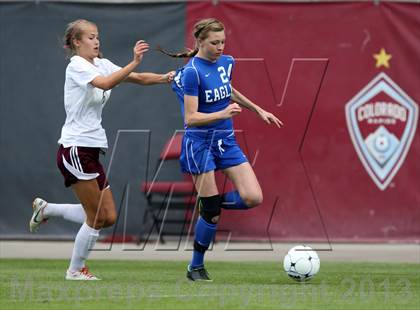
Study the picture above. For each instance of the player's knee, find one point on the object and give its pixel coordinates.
(106, 215)
(100, 219)
(110, 219)
(253, 200)
(95, 223)
(97, 217)
(209, 208)
(93, 219)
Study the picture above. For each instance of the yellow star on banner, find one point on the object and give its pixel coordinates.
(382, 59)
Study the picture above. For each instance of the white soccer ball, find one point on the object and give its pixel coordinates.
(301, 263)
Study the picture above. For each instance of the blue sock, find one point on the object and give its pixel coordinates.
(233, 201)
(204, 234)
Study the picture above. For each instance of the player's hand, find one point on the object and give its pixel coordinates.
(169, 77)
(231, 110)
(270, 118)
(139, 49)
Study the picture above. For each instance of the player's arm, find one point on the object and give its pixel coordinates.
(112, 80)
(267, 117)
(149, 78)
(194, 118)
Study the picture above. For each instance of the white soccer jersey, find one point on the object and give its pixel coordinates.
(84, 103)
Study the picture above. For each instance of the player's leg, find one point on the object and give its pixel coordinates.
(71, 172)
(100, 212)
(206, 226)
(233, 162)
(72, 212)
(43, 210)
(82, 171)
(98, 204)
(197, 159)
(248, 193)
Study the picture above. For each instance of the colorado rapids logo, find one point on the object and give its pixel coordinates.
(382, 121)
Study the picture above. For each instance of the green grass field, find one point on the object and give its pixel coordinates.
(39, 284)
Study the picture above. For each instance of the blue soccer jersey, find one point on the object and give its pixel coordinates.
(210, 82)
(212, 146)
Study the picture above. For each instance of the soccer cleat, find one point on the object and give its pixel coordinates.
(198, 274)
(81, 275)
(38, 206)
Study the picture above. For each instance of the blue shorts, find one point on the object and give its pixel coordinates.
(203, 154)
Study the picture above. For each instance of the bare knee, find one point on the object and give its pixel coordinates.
(110, 219)
(102, 217)
(96, 219)
(253, 200)
(106, 217)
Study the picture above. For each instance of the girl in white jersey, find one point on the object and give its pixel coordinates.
(88, 84)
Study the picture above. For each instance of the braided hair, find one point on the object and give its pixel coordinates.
(200, 32)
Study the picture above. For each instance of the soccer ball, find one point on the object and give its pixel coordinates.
(301, 263)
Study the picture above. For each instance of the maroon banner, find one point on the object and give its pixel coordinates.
(344, 78)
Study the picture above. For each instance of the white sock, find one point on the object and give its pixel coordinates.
(85, 240)
(69, 212)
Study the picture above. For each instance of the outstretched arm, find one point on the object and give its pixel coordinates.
(267, 117)
(148, 78)
(108, 82)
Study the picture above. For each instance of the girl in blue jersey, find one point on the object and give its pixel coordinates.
(203, 87)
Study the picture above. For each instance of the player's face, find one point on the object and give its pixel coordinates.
(88, 45)
(212, 47)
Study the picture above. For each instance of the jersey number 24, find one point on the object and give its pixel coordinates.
(223, 75)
